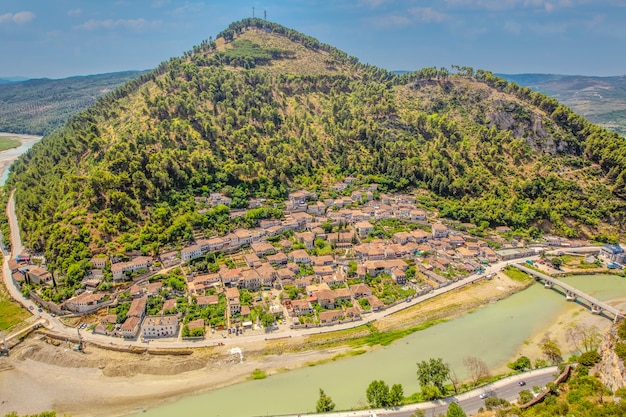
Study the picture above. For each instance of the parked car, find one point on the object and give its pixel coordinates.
(482, 396)
(522, 383)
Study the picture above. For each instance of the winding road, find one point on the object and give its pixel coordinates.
(54, 325)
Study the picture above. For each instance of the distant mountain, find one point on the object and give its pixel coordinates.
(10, 80)
(38, 106)
(602, 100)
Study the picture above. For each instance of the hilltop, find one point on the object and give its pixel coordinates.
(38, 106)
(602, 100)
(263, 109)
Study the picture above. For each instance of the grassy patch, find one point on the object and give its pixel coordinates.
(258, 374)
(386, 338)
(516, 275)
(11, 313)
(355, 352)
(8, 143)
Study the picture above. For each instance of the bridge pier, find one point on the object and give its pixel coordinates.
(596, 309)
(570, 296)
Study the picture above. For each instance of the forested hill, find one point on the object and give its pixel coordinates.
(263, 109)
(39, 106)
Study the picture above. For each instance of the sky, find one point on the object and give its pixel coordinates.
(62, 38)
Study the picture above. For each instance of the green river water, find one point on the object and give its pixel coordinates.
(493, 333)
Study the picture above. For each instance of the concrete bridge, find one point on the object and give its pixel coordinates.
(571, 293)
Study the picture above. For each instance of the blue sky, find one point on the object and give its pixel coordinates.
(60, 38)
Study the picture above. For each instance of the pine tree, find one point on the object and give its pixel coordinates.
(325, 403)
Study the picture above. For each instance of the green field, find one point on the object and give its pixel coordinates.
(11, 313)
(8, 143)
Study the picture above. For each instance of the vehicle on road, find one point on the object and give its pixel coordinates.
(40, 310)
(31, 308)
(224, 335)
(482, 396)
(521, 383)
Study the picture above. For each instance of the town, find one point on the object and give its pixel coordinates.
(325, 261)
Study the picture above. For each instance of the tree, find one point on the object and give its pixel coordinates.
(396, 395)
(521, 364)
(267, 320)
(525, 396)
(433, 372)
(476, 368)
(492, 403)
(585, 338)
(324, 403)
(455, 410)
(377, 394)
(589, 358)
(551, 350)
(557, 262)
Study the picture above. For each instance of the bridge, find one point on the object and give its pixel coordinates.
(571, 293)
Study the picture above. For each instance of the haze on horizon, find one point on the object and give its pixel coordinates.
(41, 38)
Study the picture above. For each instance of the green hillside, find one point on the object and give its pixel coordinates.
(39, 106)
(264, 109)
(602, 100)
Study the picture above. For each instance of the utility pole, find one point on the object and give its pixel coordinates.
(253, 12)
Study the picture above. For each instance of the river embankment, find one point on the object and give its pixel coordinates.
(106, 383)
(10, 155)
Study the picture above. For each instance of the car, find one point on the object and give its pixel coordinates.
(521, 383)
(31, 308)
(53, 315)
(482, 396)
(224, 335)
(40, 310)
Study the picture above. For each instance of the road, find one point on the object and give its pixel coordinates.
(55, 325)
(507, 388)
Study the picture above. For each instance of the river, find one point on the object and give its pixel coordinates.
(7, 157)
(493, 333)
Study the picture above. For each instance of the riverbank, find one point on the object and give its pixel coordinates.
(7, 157)
(115, 383)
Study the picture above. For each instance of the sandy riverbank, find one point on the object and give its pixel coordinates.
(41, 376)
(7, 157)
(558, 330)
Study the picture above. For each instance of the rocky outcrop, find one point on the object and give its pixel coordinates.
(611, 369)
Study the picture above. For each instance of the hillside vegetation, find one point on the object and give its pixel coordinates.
(39, 106)
(264, 109)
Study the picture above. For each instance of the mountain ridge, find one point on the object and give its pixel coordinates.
(40, 105)
(233, 116)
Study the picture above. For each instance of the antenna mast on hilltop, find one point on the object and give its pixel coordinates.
(265, 15)
(253, 12)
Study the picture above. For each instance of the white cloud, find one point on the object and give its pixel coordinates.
(133, 24)
(496, 5)
(426, 15)
(74, 12)
(390, 20)
(373, 3)
(513, 27)
(156, 4)
(18, 18)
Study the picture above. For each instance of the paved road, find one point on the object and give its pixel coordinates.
(56, 326)
(507, 388)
